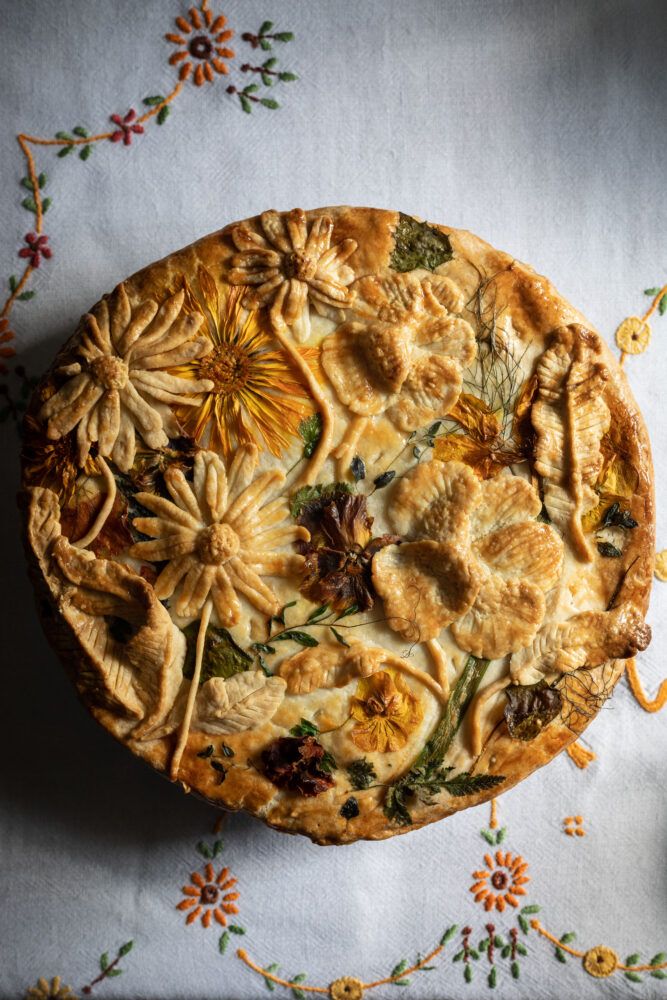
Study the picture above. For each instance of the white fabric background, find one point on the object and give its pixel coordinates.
(539, 125)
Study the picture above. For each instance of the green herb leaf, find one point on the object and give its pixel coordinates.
(207, 752)
(320, 612)
(616, 517)
(339, 638)
(297, 636)
(469, 784)
(350, 808)
(352, 610)
(328, 763)
(609, 551)
(308, 494)
(220, 768)
(262, 647)
(280, 617)
(416, 244)
(361, 774)
(304, 728)
(381, 481)
(227, 750)
(358, 468)
(310, 432)
(222, 656)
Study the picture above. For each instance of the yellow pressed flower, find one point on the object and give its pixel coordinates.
(600, 961)
(661, 565)
(633, 335)
(386, 712)
(257, 395)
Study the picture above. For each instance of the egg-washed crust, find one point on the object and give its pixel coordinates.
(538, 314)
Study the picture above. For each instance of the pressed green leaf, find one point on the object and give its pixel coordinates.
(310, 494)
(318, 613)
(608, 550)
(361, 774)
(339, 637)
(416, 244)
(352, 610)
(304, 728)
(297, 636)
(222, 656)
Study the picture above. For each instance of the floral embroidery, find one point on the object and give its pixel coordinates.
(499, 884)
(573, 826)
(407, 358)
(36, 249)
(289, 253)
(256, 394)
(633, 335)
(386, 712)
(218, 537)
(600, 961)
(117, 389)
(202, 39)
(50, 991)
(127, 127)
(209, 897)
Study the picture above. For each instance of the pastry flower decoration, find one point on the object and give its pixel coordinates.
(406, 357)
(120, 387)
(474, 558)
(218, 537)
(288, 253)
(385, 711)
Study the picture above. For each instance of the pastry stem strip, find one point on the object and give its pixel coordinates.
(440, 660)
(184, 729)
(344, 451)
(476, 712)
(106, 508)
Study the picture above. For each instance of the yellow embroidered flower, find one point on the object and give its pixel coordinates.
(118, 388)
(256, 395)
(633, 335)
(218, 536)
(346, 988)
(50, 991)
(290, 253)
(386, 712)
(406, 357)
(503, 879)
(201, 45)
(209, 897)
(661, 565)
(600, 961)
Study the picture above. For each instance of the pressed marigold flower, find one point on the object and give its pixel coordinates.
(501, 882)
(201, 50)
(633, 335)
(209, 897)
(256, 395)
(386, 712)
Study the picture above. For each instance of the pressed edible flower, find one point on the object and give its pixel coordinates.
(386, 712)
(633, 335)
(295, 764)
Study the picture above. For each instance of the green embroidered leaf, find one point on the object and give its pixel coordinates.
(163, 114)
(361, 774)
(30, 204)
(339, 637)
(266, 79)
(65, 151)
(651, 291)
(235, 929)
(659, 974)
(631, 959)
(269, 63)
(222, 656)
(570, 936)
(217, 847)
(531, 707)
(416, 244)
(608, 550)
(284, 36)
(265, 44)
(634, 977)
(304, 728)
(524, 925)
(506, 951)
(104, 961)
(458, 956)
(500, 836)
(296, 636)
(125, 949)
(659, 958)
(298, 979)
(153, 101)
(13, 282)
(308, 494)
(310, 432)
(398, 969)
(46, 204)
(473, 953)
(449, 934)
(287, 77)
(267, 982)
(488, 837)
(204, 850)
(533, 908)
(492, 977)
(247, 107)
(85, 152)
(467, 975)
(560, 955)
(266, 27)
(41, 180)
(251, 88)
(27, 183)
(514, 969)
(112, 973)
(26, 296)
(521, 948)
(80, 131)
(223, 942)
(63, 135)
(662, 305)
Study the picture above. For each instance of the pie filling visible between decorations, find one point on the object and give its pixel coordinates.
(341, 518)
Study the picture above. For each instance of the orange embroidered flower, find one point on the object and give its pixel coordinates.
(201, 45)
(386, 712)
(209, 897)
(501, 881)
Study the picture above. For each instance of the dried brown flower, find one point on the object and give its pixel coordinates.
(295, 764)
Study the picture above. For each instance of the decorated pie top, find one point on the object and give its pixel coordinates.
(340, 517)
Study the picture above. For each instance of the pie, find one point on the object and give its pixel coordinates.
(341, 518)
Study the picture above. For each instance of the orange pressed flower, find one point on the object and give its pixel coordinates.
(209, 897)
(201, 45)
(386, 712)
(503, 879)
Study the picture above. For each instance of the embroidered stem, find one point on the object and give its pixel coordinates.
(440, 660)
(493, 822)
(106, 508)
(184, 729)
(406, 972)
(276, 979)
(647, 315)
(323, 449)
(537, 926)
(579, 755)
(476, 711)
(636, 687)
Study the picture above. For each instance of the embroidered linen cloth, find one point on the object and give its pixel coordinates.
(540, 126)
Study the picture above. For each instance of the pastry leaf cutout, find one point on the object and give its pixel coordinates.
(241, 702)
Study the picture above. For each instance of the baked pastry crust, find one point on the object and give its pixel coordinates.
(340, 518)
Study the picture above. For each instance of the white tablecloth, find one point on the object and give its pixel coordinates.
(539, 125)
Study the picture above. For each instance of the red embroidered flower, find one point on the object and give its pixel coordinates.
(201, 39)
(209, 897)
(5, 335)
(125, 127)
(36, 248)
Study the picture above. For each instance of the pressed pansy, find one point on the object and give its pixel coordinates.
(218, 536)
(406, 357)
(386, 711)
(288, 252)
(257, 395)
(126, 127)
(209, 897)
(36, 249)
(475, 558)
(201, 46)
(119, 387)
(502, 880)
